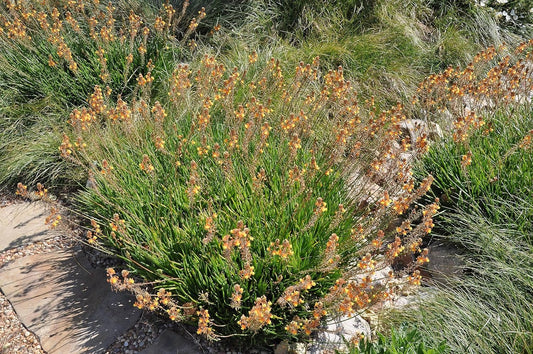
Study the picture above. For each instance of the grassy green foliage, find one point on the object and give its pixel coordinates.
(404, 340)
(498, 181)
(254, 196)
(488, 310)
(50, 64)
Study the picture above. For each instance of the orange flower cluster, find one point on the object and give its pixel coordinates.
(117, 224)
(125, 283)
(146, 165)
(121, 112)
(204, 324)
(291, 295)
(415, 278)
(298, 324)
(193, 185)
(82, 120)
(252, 58)
(466, 159)
(331, 257)
(240, 238)
(395, 248)
(464, 125)
(22, 190)
(320, 206)
(366, 262)
(258, 317)
(283, 250)
(53, 218)
(16, 29)
(427, 216)
(179, 82)
(210, 227)
(236, 297)
(467, 93)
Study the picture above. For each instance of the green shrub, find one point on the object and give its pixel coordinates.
(492, 171)
(233, 197)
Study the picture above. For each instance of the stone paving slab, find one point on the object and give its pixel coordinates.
(170, 342)
(66, 302)
(23, 223)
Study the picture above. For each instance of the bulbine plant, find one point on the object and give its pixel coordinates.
(486, 107)
(255, 203)
(55, 52)
(63, 48)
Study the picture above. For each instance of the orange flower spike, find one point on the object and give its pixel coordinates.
(306, 283)
(423, 257)
(321, 206)
(236, 297)
(252, 58)
(319, 311)
(247, 272)
(173, 313)
(386, 201)
(146, 165)
(395, 248)
(204, 323)
(293, 327)
(415, 278)
(378, 242)
(466, 160)
(22, 190)
(258, 317)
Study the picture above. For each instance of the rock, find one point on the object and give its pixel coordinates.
(66, 302)
(338, 332)
(170, 342)
(362, 189)
(23, 223)
(415, 128)
(297, 348)
(282, 348)
(445, 263)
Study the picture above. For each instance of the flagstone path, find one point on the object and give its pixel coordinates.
(62, 301)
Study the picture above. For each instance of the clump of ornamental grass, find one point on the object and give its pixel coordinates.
(54, 53)
(488, 310)
(230, 197)
(492, 172)
(62, 49)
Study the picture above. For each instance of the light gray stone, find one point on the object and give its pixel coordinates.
(415, 128)
(362, 189)
(337, 333)
(170, 342)
(23, 223)
(66, 302)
